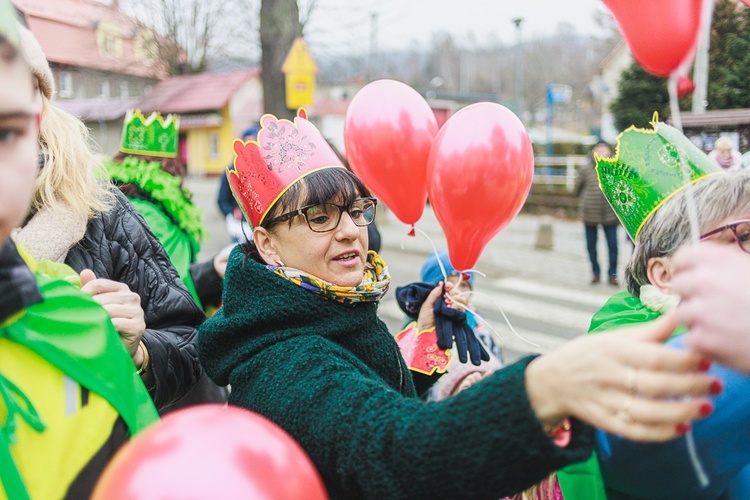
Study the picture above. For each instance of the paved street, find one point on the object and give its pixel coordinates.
(545, 294)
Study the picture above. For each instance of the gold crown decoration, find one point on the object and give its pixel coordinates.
(647, 170)
(152, 136)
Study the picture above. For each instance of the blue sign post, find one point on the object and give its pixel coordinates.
(556, 94)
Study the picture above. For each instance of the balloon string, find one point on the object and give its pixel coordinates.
(474, 313)
(692, 212)
(496, 335)
(432, 244)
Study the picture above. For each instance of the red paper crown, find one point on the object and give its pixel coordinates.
(283, 153)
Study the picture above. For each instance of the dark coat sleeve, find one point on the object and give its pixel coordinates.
(369, 441)
(119, 246)
(207, 282)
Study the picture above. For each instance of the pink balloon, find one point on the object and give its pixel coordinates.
(746, 2)
(661, 34)
(211, 451)
(388, 132)
(479, 175)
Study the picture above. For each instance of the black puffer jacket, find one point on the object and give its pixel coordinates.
(119, 246)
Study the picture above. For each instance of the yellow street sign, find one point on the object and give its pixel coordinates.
(299, 69)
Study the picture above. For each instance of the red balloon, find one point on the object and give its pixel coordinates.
(388, 132)
(661, 34)
(479, 171)
(211, 451)
(746, 2)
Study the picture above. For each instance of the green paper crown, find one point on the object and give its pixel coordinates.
(154, 136)
(647, 171)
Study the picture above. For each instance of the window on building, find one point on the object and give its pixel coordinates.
(124, 90)
(104, 88)
(213, 145)
(65, 84)
(109, 45)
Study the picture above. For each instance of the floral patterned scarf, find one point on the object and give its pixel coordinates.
(373, 287)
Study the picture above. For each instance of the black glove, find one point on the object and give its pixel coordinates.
(450, 325)
(411, 297)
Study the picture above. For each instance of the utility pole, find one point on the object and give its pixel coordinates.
(700, 70)
(519, 76)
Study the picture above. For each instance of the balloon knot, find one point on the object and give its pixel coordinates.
(412, 232)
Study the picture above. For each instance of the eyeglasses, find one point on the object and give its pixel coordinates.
(325, 217)
(740, 230)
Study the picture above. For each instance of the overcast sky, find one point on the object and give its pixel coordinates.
(340, 27)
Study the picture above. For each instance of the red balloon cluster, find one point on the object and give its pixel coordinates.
(661, 34)
(211, 451)
(477, 169)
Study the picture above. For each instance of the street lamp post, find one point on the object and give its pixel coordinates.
(519, 76)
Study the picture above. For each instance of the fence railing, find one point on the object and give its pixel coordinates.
(558, 170)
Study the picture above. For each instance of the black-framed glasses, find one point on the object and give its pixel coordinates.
(324, 217)
(740, 230)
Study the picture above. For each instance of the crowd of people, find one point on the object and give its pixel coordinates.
(103, 320)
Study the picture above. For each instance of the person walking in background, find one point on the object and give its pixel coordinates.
(595, 211)
(726, 155)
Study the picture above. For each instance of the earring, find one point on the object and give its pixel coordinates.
(279, 263)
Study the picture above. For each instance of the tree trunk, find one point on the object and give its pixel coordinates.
(279, 27)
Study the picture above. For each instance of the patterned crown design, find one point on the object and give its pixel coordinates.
(152, 136)
(283, 153)
(647, 170)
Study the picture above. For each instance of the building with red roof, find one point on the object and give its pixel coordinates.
(102, 59)
(214, 108)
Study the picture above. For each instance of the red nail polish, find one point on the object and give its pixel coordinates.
(682, 427)
(706, 409)
(704, 364)
(716, 387)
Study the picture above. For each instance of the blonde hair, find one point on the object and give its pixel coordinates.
(724, 142)
(73, 173)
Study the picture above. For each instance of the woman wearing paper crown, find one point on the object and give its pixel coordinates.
(645, 185)
(70, 395)
(299, 340)
(150, 173)
(92, 227)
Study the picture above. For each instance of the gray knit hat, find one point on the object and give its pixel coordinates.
(34, 55)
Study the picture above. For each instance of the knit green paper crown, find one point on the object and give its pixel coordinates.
(152, 136)
(647, 171)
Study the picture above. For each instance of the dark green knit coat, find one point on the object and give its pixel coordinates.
(332, 376)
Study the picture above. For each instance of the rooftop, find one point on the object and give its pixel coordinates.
(195, 93)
